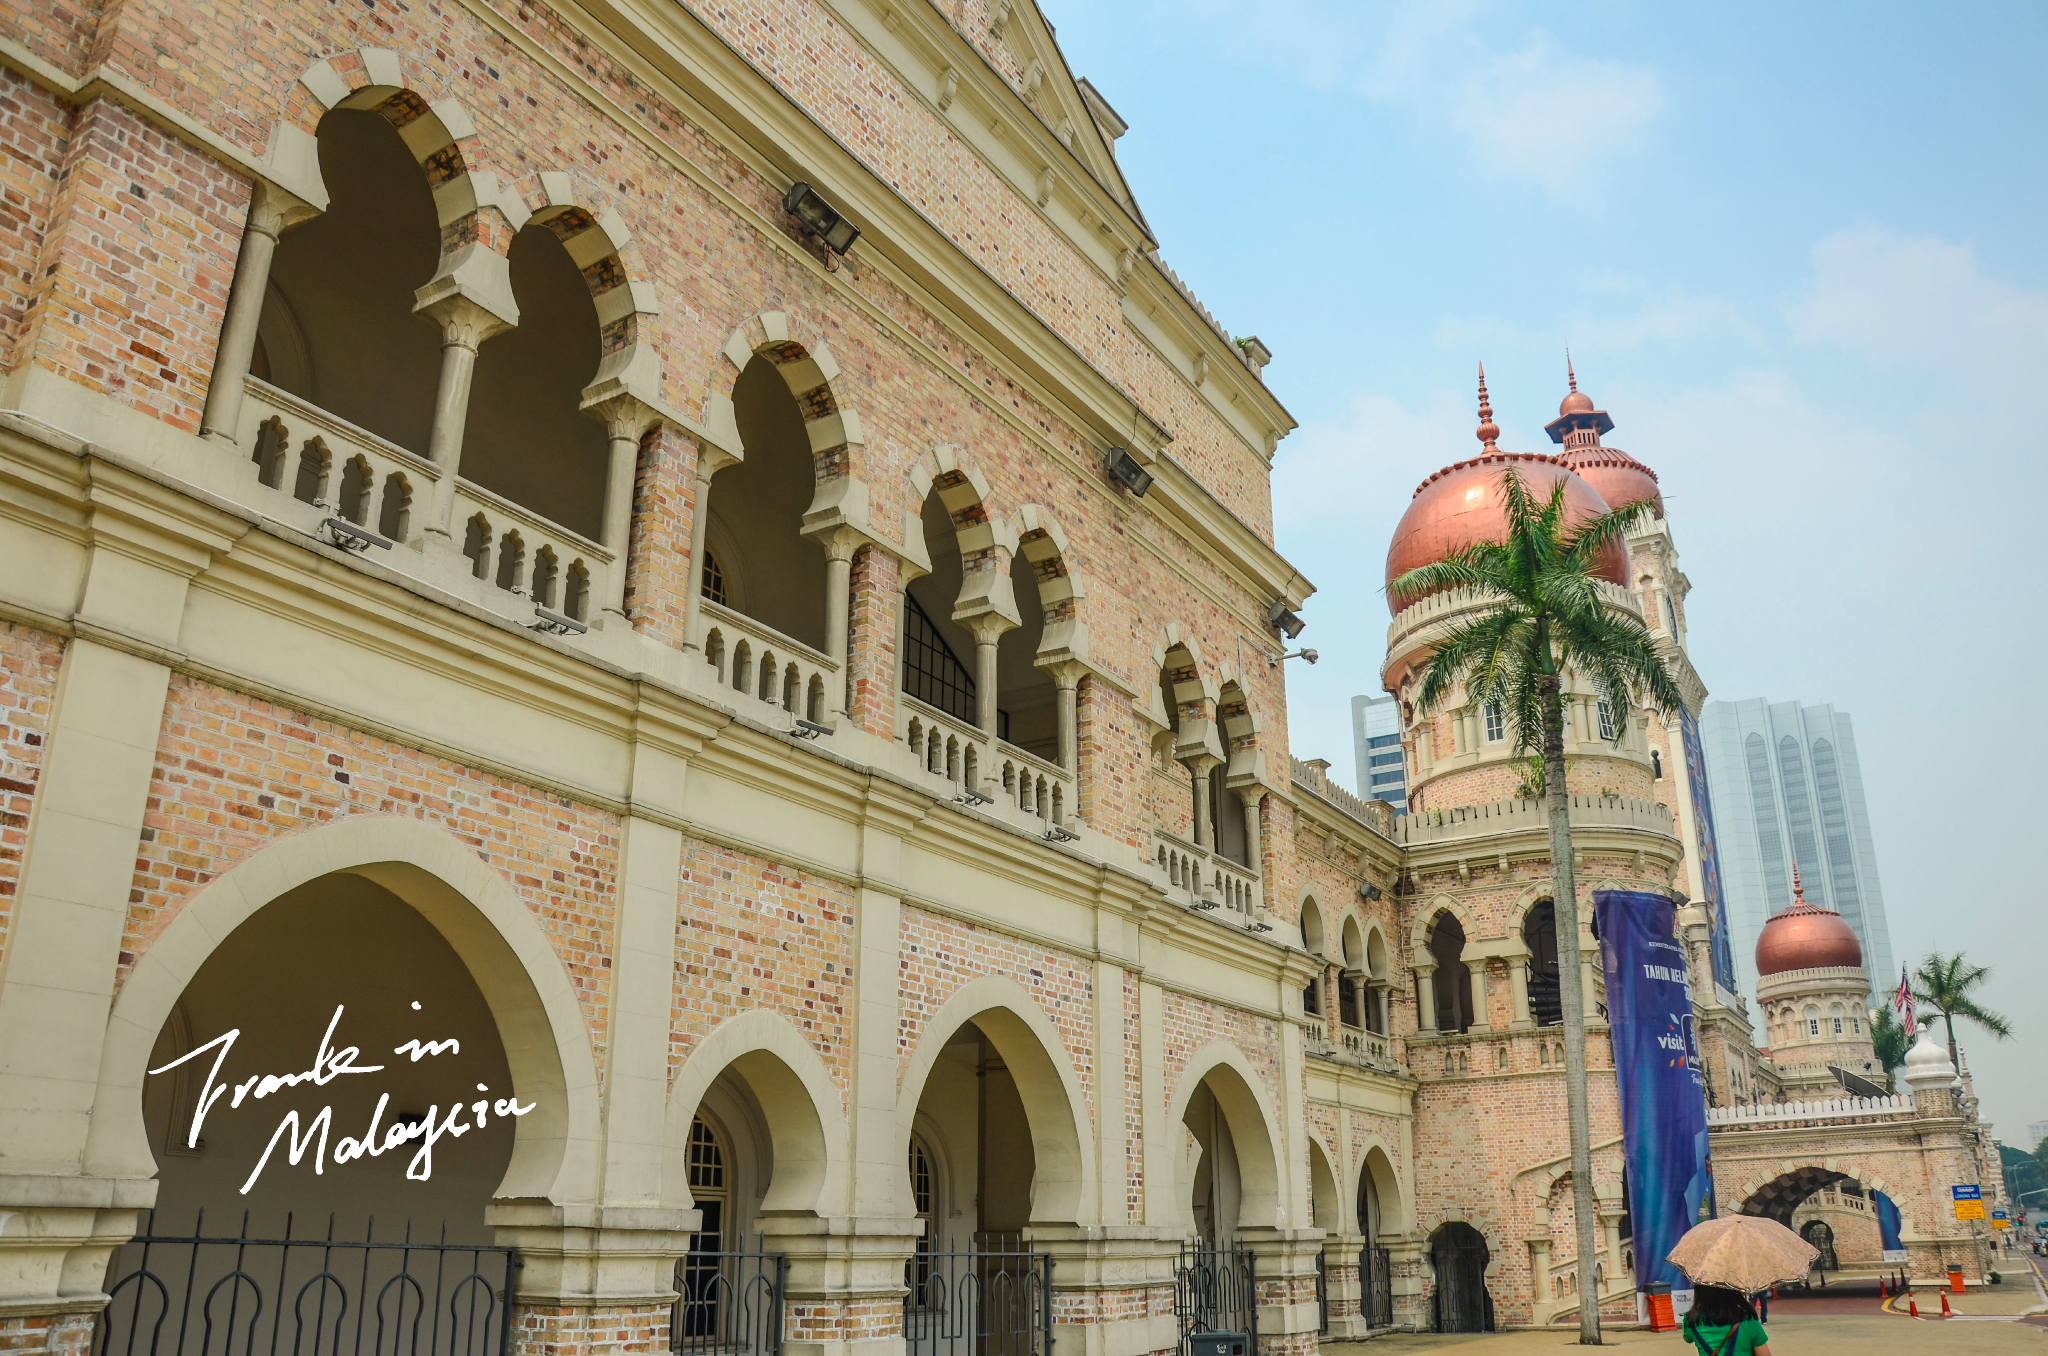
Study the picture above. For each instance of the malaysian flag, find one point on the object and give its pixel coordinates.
(1903, 1001)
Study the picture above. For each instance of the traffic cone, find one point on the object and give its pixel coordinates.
(1912, 1305)
(1945, 1311)
(1882, 1292)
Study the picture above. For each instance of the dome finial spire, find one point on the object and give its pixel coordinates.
(1488, 430)
(1570, 375)
(1798, 890)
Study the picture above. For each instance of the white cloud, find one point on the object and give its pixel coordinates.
(1530, 109)
(1906, 303)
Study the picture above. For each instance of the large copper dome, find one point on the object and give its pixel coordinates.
(1614, 475)
(1806, 937)
(1461, 506)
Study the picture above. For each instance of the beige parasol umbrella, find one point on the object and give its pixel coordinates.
(1743, 1252)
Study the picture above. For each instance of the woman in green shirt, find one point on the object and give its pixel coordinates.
(1722, 1323)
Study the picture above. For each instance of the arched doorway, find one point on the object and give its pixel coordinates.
(338, 962)
(1459, 1302)
(1822, 1236)
(331, 1108)
(1375, 1262)
(1539, 934)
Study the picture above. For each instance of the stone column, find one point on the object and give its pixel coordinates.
(1518, 983)
(1283, 1268)
(627, 419)
(987, 628)
(1482, 1011)
(839, 545)
(1425, 1007)
(1589, 970)
(1254, 837)
(1199, 767)
(271, 209)
(464, 327)
(1067, 681)
(711, 459)
(1385, 995)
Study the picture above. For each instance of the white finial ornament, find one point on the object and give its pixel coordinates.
(1927, 1067)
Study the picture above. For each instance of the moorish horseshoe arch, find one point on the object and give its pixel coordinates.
(799, 1101)
(486, 922)
(1375, 1160)
(1253, 1132)
(1063, 1180)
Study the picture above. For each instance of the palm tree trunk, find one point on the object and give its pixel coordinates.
(1571, 993)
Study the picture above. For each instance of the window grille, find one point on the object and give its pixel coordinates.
(1671, 616)
(1496, 723)
(1606, 722)
(714, 578)
(932, 673)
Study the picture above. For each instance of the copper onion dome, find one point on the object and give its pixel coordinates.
(1461, 506)
(1806, 937)
(1614, 474)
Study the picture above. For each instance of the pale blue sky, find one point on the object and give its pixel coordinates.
(1797, 251)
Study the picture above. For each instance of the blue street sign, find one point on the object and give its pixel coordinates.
(1967, 1193)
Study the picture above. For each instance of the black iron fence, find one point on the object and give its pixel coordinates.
(317, 1295)
(1215, 1290)
(1322, 1295)
(992, 1300)
(728, 1303)
(1376, 1286)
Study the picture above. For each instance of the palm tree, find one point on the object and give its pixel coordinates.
(1889, 1038)
(1945, 984)
(1543, 616)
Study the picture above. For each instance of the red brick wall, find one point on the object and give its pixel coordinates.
(35, 131)
(234, 774)
(132, 281)
(756, 934)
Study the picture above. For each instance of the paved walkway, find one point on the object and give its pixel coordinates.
(1808, 1335)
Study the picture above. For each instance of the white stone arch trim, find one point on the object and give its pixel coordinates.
(492, 929)
(477, 210)
(1420, 929)
(1340, 1216)
(1304, 900)
(1243, 1097)
(1384, 972)
(1351, 928)
(800, 1102)
(1397, 1208)
(1063, 1178)
(600, 243)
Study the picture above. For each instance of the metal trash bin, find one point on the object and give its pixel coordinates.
(1218, 1344)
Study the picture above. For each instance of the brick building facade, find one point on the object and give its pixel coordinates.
(794, 725)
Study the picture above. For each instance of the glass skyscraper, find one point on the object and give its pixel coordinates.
(1376, 732)
(1787, 788)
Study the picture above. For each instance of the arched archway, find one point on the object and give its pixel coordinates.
(1459, 1298)
(1453, 979)
(991, 1083)
(757, 1070)
(486, 924)
(1778, 1198)
(1539, 935)
(758, 560)
(1325, 1206)
(1380, 1214)
(1231, 1172)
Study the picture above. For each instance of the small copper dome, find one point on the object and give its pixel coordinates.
(1461, 506)
(1614, 474)
(1806, 937)
(1578, 402)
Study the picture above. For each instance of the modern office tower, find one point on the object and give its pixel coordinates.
(1788, 793)
(1376, 731)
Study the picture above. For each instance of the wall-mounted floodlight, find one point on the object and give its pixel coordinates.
(816, 217)
(1059, 833)
(1282, 619)
(1259, 927)
(1368, 889)
(1203, 904)
(969, 796)
(554, 623)
(1128, 471)
(352, 536)
(1273, 661)
(809, 729)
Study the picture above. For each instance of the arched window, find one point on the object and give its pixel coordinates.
(1453, 979)
(757, 509)
(699, 1285)
(923, 1197)
(1835, 1017)
(1812, 1017)
(1606, 722)
(1026, 693)
(338, 328)
(938, 652)
(1656, 765)
(1496, 723)
(1539, 934)
(526, 437)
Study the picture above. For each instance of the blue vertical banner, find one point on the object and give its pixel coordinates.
(1888, 1227)
(1723, 947)
(1663, 1095)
